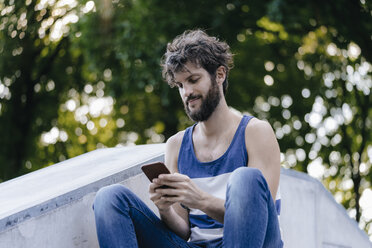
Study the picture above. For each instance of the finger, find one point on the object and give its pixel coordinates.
(161, 203)
(171, 199)
(153, 187)
(172, 184)
(175, 177)
(155, 197)
(156, 194)
(168, 191)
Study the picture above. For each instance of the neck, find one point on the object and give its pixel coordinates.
(219, 121)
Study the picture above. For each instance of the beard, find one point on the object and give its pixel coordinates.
(208, 104)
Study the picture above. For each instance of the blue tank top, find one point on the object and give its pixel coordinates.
(212, 177)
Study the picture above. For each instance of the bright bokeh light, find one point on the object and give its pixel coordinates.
(63, 3)
(99, 106)
(286, 101)
(315, 119)
(300, 154)
(63, 13)
(316, 169)
(4, 91)
(269, 66)
(274, 101)
(297, 124)
(53, 136)
(120, 123)
(353, 51)
(305, 93)
(347, 113)
(71, 105)
(89, 6)
(359, 77)
(90, 125)
(332, 49)
(330, 125)
(103, 122)
(88, 88)
(154, 136)
(335, 157)
(132, 137)
(95, 107)
(63, 136)
(346, 184)
(240, 37)
(269, 80)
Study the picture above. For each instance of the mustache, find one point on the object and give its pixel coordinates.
(192, 97)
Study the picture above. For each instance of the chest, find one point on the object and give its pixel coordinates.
(207, 151)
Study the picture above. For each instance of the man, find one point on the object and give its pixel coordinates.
(224, 169)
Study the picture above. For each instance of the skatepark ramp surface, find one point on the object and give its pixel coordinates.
(52, 207)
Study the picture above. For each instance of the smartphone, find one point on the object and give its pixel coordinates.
(153, 170)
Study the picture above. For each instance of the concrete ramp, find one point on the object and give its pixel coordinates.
(52, 207)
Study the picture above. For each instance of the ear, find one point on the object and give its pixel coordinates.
(220, 74)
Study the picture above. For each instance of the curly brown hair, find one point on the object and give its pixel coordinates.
(197, 47)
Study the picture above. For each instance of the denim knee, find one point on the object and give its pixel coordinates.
(245, 175)
(108, 196)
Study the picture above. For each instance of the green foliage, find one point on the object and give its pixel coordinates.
(77, 76)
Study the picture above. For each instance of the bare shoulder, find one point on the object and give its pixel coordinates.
(262, 146)
(176, 138)
(264, 152)
(259, 129)
(174, 142)
(172, 149)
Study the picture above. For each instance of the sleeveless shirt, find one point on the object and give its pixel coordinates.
(212, 177)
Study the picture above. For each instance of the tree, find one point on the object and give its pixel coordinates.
(84, 75)
(33, 49)
(337, 54)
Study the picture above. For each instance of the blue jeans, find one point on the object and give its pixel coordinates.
(250, 220)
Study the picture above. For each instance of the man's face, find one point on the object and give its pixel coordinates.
(199, 92)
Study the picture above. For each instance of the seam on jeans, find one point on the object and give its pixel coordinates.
(167, 235)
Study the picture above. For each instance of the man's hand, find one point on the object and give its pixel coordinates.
(174, 216)
(157, 197)
(181, 189)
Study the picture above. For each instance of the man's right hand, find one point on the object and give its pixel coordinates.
(162, 204)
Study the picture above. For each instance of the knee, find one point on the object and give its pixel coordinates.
(245, 176)
(109, 196)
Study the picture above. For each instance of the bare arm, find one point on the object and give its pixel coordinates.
(263, 152)
(184, 191)
(173, 215)
(214, 207)
(187, 193)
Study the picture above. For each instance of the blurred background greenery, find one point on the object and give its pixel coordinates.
(80, 75)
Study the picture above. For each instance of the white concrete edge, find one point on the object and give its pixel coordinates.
(321, 188)
(74, 195)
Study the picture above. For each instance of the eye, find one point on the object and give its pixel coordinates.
(179, 85)
(193, 80)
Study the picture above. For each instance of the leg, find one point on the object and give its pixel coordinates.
(250, 214)
(123, 220)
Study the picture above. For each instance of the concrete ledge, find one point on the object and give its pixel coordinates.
(52, 207)
(312, 218)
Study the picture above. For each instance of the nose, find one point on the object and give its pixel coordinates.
(186, 90)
